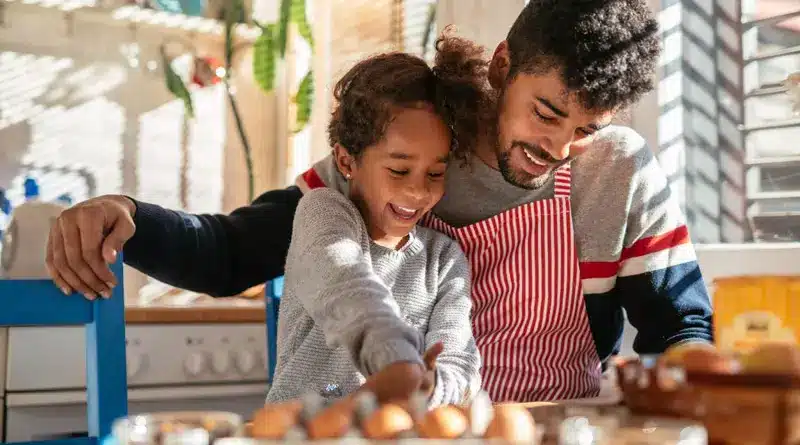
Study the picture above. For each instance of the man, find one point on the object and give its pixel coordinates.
(566, 220)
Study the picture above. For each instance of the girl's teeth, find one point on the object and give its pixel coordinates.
(404, 212)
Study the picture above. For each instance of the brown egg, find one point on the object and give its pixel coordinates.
(444, 422)
(707, 360)
(773, 358)
(465, 410)
(274, 420)
(513, 424)
(332, 422)
(387, 422)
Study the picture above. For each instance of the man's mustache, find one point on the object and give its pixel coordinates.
(539, 152)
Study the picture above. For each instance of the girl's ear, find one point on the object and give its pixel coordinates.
(344, 161)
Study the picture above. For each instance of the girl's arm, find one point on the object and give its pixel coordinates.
(329, 270)
(458, 366)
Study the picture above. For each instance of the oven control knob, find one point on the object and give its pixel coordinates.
(260, 360)
(245, 361)
(220, 361)
(194, 364)
(135, 364)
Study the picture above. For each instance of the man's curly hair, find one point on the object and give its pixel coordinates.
(455, 86)
(606, 50)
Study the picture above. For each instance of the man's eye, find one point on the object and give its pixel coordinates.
(543, 117)
(398, 172)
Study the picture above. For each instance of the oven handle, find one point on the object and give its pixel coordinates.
(50, 398)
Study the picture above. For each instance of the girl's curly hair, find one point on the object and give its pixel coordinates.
(456, 86)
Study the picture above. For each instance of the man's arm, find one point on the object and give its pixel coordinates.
(659, 281)
(458, 366)
(220, 255)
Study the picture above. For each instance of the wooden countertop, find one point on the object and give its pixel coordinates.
(219, 311)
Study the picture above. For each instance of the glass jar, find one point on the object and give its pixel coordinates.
(177, 428)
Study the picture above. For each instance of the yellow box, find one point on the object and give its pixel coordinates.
(748, 310)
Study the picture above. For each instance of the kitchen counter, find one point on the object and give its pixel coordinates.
(224, 312)
(188, 307)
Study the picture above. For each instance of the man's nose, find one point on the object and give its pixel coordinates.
(559, 145)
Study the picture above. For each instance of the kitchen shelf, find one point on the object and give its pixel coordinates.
(776, 226)
(773, 125)
(767, 90)
(790, 51)
(766, 196)
(770, 20)
(772, 214)
(777, 161)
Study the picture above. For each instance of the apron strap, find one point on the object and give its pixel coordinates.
(563, 182)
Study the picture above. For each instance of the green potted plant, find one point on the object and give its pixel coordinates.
(269, 49)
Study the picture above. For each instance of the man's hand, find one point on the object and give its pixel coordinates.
(84, 240)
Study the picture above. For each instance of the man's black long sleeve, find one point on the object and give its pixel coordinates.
(220, 255)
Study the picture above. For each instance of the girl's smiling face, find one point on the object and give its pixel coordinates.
(401, 177)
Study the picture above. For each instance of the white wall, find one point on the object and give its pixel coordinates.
(484, 21)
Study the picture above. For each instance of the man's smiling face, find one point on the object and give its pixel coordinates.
(563, 71)
(541, 126)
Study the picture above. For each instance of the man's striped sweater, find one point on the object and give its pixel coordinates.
(634, 247)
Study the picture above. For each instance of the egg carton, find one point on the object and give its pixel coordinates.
(479, 416)
(363, 441)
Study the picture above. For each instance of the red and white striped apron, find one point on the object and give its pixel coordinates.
(529, 316)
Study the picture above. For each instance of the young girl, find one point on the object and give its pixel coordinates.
(397, 125)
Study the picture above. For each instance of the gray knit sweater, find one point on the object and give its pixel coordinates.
(350, 307)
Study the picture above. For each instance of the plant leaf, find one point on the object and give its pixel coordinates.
(175, 84)
(283, 26)
(265, 58)
(304, 99)
(298, 16)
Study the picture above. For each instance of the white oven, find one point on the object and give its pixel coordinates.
(170, 367)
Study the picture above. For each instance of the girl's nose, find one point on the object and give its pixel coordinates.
(417, 191)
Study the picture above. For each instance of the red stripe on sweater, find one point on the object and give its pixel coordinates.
(657, 243)
(598, 269)
(312, 179)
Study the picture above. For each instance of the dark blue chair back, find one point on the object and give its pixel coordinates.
(40, 303)
(272, 302)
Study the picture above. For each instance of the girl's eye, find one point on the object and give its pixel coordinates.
(543, 117)
(398, 172)
(436, 175)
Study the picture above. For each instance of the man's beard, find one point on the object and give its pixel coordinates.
(520, 179)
